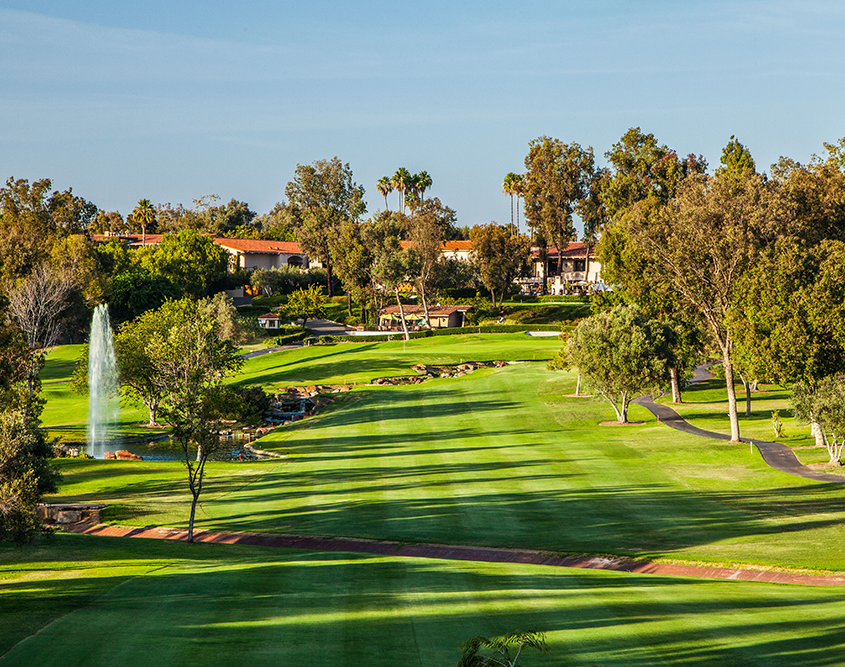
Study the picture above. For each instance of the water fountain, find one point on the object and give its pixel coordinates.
(102, 384)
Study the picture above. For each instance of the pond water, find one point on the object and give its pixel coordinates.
(166, 449)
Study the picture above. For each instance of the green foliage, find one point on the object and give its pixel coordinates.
(824, 405)
(284, 279)
(321, 197)
(25, 469)
(500, 257)
(189, 259)
(503, 651)
(134, 293)
(621, 353)
(556, 180)
(32, 217)
(252, 402)
(306, 304)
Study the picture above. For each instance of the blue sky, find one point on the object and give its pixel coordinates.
(174, 100)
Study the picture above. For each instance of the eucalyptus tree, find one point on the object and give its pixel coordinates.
(500, 257)
(427, 231)
(704, 240)
(555, 182)
(324, 196)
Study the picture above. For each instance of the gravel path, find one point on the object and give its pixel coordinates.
(469, 553)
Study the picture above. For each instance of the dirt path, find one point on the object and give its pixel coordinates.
(776, 455)
(469, 553)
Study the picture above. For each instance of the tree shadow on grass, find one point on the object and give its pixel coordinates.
(303, 608)
(616, 519)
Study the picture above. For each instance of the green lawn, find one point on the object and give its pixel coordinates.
(112, 602)
(499, 457)
(706, 406)
(361, 362)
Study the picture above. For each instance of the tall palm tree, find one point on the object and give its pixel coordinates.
(385, 187)
(423, 183)
(518, 185)
(509, 188)
(145, 214)
(400, 182)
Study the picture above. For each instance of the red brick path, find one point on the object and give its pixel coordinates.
(454, 552)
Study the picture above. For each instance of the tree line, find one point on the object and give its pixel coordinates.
(739, 261)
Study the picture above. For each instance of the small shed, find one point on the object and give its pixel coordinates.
(269, 321)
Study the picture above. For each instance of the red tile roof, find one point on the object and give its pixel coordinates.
(257, 246)
(457, 246)
(574, 249)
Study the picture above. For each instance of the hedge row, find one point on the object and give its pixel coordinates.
(497, 328)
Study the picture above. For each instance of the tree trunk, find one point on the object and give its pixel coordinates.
(747, 386)
(587, 269)
(729, 381)
(818, 434)
(676, 385)
(349, 303)
(578, 385)
(424, 300)
(329, 278)
(199, 453)
(152, 406)
(195, 498)
(402, 315)
(625, 403)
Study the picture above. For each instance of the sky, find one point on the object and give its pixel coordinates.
(171, 101)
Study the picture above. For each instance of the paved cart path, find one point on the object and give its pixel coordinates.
(776, 455)
(468, 553)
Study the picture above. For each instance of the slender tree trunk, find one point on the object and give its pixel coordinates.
(512, 227)
(727, 363)
(194, 499)
(329, 278)
(578, 385)
(676, 385)
(517, 214)
(402, 314)
(349, 303)
(747, 385)
(587, 265)
(424, 300)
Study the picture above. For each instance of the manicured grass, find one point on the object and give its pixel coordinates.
(705, 405)
(361, 362)
(113, 602)
(498, 458)
(60, 363)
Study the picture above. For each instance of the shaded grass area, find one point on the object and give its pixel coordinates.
(61, 362)
(102, 601)
(496, 458)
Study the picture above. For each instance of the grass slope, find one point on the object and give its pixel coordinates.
(112, 602)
